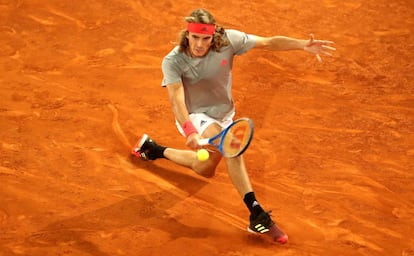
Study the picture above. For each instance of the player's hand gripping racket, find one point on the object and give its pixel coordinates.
(234, 139)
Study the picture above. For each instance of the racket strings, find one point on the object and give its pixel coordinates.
(237, 138)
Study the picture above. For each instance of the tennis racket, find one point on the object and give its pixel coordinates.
(234, 139)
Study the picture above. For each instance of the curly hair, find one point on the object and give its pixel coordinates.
(203, 16)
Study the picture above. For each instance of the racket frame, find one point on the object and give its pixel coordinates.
(221, 135)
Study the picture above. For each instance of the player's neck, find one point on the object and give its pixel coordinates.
(191, 55)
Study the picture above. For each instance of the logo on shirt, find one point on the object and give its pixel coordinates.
(202, 122)
(224, 62)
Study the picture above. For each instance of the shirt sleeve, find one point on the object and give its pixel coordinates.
(240, 41)
(171, 71)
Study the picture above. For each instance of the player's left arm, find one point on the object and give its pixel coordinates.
(283, 43)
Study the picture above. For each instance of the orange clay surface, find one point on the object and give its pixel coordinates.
(332, 154)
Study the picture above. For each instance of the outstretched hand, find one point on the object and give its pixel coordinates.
(319, 47)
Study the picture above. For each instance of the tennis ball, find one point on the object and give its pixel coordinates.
(202, 155)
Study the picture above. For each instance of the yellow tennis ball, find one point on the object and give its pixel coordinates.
(202, 155)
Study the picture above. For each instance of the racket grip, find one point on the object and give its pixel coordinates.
(203, 142)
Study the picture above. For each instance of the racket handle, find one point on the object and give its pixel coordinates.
(203, 142)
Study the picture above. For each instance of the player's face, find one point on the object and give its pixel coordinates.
(199, 44)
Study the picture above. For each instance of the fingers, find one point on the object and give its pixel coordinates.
(312, 38)
(328, 47)
(320, 47)
(318, 57)
(326, 50)
(327, 42)
(326, 53)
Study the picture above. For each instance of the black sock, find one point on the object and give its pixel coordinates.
(253, 205)
(159, 151)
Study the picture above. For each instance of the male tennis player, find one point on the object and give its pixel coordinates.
(197, 75)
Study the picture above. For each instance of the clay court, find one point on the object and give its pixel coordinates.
(332, 155)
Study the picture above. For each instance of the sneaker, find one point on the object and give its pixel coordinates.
(263, 224)
(145, 148)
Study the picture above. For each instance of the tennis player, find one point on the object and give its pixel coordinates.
(197, 75)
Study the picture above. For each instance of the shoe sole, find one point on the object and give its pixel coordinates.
(274, 233)
(139, 144)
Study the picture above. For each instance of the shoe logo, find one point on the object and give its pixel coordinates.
(203, 122)
(255, 203)
(223, 62)
(261, 229)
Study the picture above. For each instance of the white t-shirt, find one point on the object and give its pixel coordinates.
(207, 80)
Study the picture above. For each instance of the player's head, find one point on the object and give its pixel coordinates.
(201, 34)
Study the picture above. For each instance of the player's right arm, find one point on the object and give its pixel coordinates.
(177, 99)
(283, 43)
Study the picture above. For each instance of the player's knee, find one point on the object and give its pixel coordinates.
(206, 169)
(208, 173)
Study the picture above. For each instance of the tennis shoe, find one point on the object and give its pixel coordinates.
(263, 224)
(145, 148)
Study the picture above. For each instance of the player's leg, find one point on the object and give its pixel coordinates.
(238, 175)
(148, 149)
(260, 220)
(189, 159)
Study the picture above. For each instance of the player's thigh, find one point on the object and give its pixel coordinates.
(208, 168)
(211, 131)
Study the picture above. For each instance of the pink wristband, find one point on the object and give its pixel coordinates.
(188, 128)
